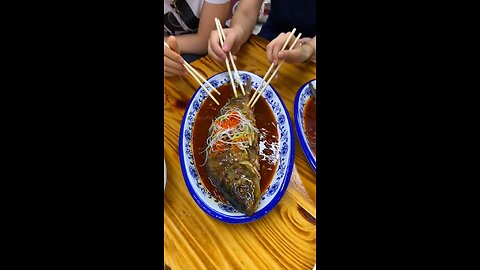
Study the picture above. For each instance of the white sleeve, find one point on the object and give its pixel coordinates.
(217, 1)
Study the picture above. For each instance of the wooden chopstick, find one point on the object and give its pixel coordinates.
(271, 66)
(201, 84)
(197, 77)
(220, 37)
(201, 77)
(274, 73)
(220, 29)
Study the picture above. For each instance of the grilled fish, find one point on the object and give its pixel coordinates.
(232, 163)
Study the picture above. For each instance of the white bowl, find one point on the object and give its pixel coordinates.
(281, 178)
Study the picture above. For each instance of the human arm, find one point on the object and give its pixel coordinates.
(197, 43)
(242, 24)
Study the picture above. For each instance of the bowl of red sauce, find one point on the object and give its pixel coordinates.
(305, 115)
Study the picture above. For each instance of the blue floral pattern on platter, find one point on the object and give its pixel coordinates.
(281, 178)
(301, 98)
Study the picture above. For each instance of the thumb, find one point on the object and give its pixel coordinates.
(229, 42)
(172, 42)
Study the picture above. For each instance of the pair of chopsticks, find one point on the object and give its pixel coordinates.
(221, 36)
(199, 78)
(262, 87)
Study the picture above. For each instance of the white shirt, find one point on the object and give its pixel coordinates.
(183, 16)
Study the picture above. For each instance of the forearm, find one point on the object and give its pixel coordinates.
(192, 43)
(197, 43)
(245, 18)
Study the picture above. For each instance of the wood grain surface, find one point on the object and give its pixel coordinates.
(283, 239)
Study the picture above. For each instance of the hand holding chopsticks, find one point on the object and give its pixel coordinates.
(221, 37)
(302, 53)
(198, 77)
(262, 87)
(271, 67)
(172, 60)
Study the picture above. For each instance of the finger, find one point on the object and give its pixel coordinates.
(269, 50)
(172, 42)
(216, 50)
(271, 46)
(277, 46)
(230, 40)
(293, 56)
(213, 54)
(168, 74)
(304, 40)
(174, 56)
(172, 65)
(172, 70)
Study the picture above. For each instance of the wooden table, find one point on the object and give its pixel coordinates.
(283, 239)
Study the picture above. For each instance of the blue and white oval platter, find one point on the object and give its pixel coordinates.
(208, 203)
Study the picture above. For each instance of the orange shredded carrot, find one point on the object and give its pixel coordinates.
(230, 122)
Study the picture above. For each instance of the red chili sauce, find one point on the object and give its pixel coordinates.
(265, 123)
(310, 122)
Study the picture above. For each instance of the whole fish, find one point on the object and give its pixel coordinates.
(232, 163)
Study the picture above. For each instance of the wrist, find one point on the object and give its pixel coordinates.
(309, 52)
(240, 33)
(312, 44)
